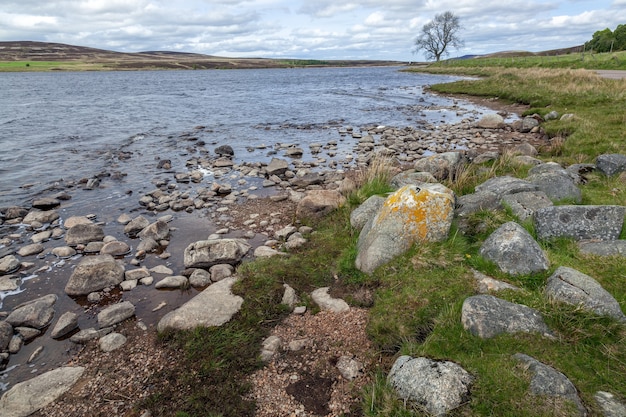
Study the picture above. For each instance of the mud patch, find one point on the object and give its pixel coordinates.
(313, 392)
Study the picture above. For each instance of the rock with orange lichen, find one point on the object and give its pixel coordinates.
(410, 215)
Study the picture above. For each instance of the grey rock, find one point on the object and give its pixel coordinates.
(487, 316)
(604, 248)
(289, 296)
(225, 150)
(573, 287)
(67, 323)
(610, 406)
(487, 284)
(13, 213)
(321, 297)
(148, 245)
(523, 205)
(64, 252)
(558, 186)
(86, 335)
(475, 202)
(442, 165)
(295, 241)
(269, 347)
(312, 178)
(158, 231)
(136, 225)
(580, 222)
(8, 283)
(285, 232)
(37, 313)
(491, 121)
(115, 248)
(514, 250)
(38, 216)
(32, 249)
(214, 306)
(349, 368)
(46, 203)
(319, 203)
(94, 273)
(6, 333)
(220, 271)
(115, 313)
(15, 344)
(93, 247)
(437, 386)
(24, 398)
(550, 382)
(173, 282)
(9, 264)
(611, 164)
(82, 234)
(206, 253)
(111, 342)
(528, 124)
(277, 167)
(129, 285)
(366, 211)
(411, 178)
(200, 278)
(486, 157)
(136, 274)
(267, 252)
(75, 220)
(506, 185)
(546, 167)
(27, 333)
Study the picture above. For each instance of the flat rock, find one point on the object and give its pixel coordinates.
(24, 398)
(94, 273)
(603, 248)
(172, 282)
(31, 249)
(547, 381)
(76, 220)
(267, 252)
(86, 335)
(319, 203)
(81, 234)
(111, 342)
(506, 185)
(67, 323)
(437, 386)
(558, 186)
(611, 164)
(9, 264)
(37, 313)
(8, 283)
(115, 313)
(579, 222)
(214, 306)
(514, 250)
(573, 287)
(39, 216)
(487, 316)
(206, 253)
(523, 205)
(411, 178)
(321, 297)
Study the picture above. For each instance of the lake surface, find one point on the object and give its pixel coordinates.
(67, 126)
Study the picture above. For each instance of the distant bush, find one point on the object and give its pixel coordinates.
(607, 41)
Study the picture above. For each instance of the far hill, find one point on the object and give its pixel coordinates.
(63, 55)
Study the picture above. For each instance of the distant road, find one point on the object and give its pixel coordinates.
(613, 74)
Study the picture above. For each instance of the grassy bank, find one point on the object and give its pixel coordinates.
(417, 298)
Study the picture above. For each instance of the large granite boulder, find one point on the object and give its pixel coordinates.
(94, 273)
(408, 216)
(438, 386)
(580, 222)
(82, 234)
(24, 398)
(206, 253)
(442, 165)
(319, 203)
(547, 381)
(573, 287)
(37, 313)
(214, 306)
(487, 316)
(611, 164)
(514, 250)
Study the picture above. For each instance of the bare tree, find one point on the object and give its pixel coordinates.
(438, 35)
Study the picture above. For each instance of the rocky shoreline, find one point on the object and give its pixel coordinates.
(110, 269)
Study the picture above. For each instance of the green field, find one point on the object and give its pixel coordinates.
(38, 66)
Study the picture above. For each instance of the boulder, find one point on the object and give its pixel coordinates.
(547, 381)
(81, 234)
(580, 222)
(319, 203)
(39, 216)
(321, 297)
(115, 313)
(611, 164)
(37, 313)
(66, 324)
(491, 121)
(206, 253)
(94, 273)
(9, 264)
(158, 230)
(277, 167)
(573, 287)
(24, 398)
(408, 216)
(214, 306)
(437, 386)
(514, 250)
(441, 165)
(487, 316)
(524, 204)
(502, 186)
(558, 186)
(366, 211)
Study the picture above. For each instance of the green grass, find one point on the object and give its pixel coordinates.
(38, 66)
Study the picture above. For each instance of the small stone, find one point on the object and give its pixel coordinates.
(111, 342)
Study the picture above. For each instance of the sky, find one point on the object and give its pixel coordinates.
(313, 29)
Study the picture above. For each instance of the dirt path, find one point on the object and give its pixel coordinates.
(612, 74)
